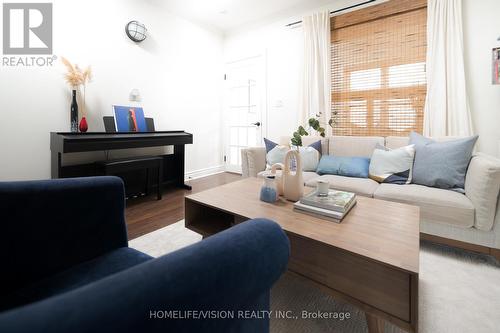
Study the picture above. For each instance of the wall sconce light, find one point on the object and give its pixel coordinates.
(135, 95)
(136, 31)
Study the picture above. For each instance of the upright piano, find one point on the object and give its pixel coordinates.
(65, 142)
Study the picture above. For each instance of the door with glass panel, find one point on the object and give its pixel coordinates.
(244, 107)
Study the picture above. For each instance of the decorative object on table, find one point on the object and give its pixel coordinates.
(441, 164)
(496, 65)
(74, 113)
(293, 182)
(78, 80)
(279, 178)
(344, 166)
(269, 190)
(339, 201)
(83, 127)
(323, 188)
(392, 166)
(136, 31)
(321, 213)
(334, 206)
(129, 119)
(301, 131)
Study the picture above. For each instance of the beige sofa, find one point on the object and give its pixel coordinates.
(470, 221)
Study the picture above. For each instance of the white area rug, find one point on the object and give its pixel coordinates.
(459, 292)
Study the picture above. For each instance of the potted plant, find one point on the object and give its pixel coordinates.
(301, 131)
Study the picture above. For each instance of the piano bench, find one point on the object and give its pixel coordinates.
(112, 167)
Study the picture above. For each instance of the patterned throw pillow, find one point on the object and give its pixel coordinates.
(393, 166)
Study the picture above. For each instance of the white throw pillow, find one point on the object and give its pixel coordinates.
(276, 155)
(393, 166)
(309, 157)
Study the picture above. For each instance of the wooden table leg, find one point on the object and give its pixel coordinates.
(375, 324)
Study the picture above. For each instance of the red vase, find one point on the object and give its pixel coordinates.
(83, 125)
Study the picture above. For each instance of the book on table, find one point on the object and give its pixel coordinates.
(333, 206)
(338, 201)
(330, 215)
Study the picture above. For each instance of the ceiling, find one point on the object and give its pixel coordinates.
(229, 15)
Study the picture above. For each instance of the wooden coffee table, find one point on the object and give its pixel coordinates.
(370, 260)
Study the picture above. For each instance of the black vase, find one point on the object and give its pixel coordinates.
(74, 114)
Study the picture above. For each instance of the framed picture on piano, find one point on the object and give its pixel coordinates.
(129, 119)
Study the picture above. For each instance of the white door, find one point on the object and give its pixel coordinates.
(244, 102)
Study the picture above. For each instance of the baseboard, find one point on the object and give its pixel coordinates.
(204, 172)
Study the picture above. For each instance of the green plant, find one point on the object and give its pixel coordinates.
(301, 131)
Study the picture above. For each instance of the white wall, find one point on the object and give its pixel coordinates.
(178, 70)
(481, 30)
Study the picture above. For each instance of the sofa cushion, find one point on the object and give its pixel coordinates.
(362, 186)
(310, 156)
(256, 160)
(362, 146)
(276, 155)
(392, 166)
(311, 140)
(482, 186)
(395, 142)
(75, 277)
(436, 205)
(307, 175)
(344, 166)
(441, 164)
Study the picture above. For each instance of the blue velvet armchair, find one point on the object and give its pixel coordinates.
(66, 267)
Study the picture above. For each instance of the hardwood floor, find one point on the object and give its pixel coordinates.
(144, 215)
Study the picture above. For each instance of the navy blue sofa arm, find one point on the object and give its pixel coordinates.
(222, 276)
(54, 224)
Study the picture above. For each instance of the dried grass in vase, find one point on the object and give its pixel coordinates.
(77, 78)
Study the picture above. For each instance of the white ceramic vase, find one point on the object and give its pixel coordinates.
(279, 178)
(293, 182)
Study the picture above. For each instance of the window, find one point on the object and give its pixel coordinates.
(378, 70)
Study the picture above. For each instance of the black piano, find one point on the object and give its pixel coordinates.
(173, 164)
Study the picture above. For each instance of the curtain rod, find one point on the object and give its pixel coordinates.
(337, 11)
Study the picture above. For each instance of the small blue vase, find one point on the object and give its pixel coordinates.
(269, 191)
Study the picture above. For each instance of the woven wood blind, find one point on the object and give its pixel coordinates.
(378, 75)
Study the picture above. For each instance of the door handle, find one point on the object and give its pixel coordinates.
(257, 124)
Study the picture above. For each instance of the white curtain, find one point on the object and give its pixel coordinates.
(315, 96)
(446, 108)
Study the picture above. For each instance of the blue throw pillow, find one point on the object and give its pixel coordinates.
(269, 145)
(344, 166)
(441, 164)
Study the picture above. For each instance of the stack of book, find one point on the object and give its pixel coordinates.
(333, 206)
